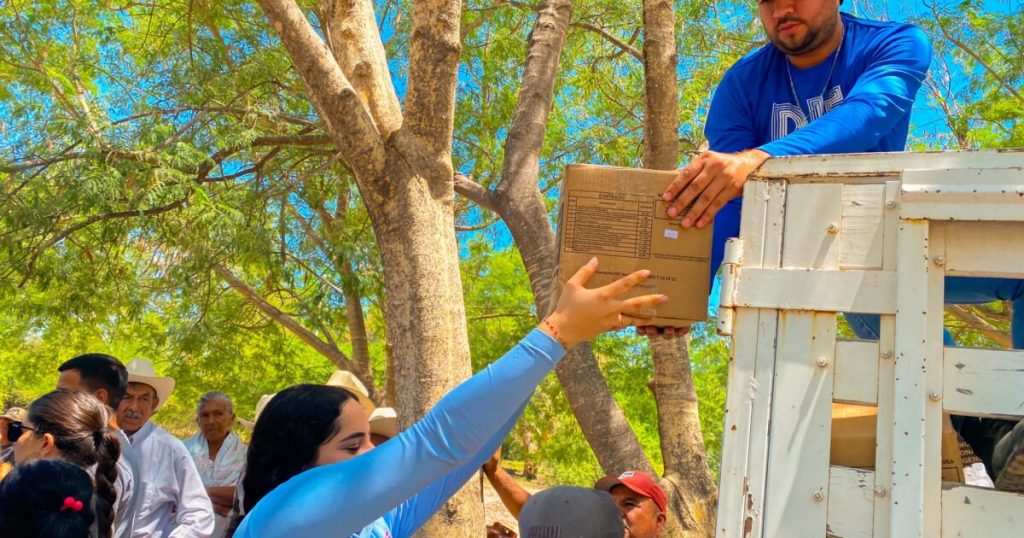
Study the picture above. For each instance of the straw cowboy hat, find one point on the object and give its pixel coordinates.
(15, 414)
(348, 381)
(141, 371)
(384, 421)
(260, 406)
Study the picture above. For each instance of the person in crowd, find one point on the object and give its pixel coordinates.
(72, 426)
(219, 454)
(348, 381)
(383, 425)
(641, 501)
(311, 455)
(175, 503)
(105, 378)
(570, 511)
(47, 499)
(239, 504)
(13, 414)
(383, 420)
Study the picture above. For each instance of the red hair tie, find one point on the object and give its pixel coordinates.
(70, 503)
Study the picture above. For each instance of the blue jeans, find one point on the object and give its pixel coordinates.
(963, 290)
(981, 434)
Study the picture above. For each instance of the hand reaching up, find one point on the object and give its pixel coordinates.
(582, 314)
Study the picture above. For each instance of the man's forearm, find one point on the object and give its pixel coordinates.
(512, 495)
(222, 495)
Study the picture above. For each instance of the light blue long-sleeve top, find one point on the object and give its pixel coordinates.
(390, 491)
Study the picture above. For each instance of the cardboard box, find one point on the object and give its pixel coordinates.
(618, 215)
(854, 434)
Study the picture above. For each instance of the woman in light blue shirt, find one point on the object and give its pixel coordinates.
(330, 483)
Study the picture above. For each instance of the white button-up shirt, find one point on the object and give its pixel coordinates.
(175, 503)
(226, 470)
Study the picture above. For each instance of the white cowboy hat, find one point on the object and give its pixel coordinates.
(384, 421)
(260, 406)
(348, 381)
(141, 371)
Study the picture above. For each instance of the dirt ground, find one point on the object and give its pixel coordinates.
(494, 510)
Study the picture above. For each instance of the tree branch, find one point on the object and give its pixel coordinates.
(626, 47)
(331, 352)
(474, 191)
(433, 73)
(970, 52)
(347, 120)
(357, 46)
(975, 322)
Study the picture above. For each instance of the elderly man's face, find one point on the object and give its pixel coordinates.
(137, 407)
(215, 420)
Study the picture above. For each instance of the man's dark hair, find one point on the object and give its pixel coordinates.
(100, 371)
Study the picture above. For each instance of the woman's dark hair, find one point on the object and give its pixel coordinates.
(78, 423)
(33, 501)
(287, 436)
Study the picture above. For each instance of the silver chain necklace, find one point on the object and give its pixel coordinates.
(792, 87)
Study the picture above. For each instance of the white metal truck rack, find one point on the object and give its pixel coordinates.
(873, 233)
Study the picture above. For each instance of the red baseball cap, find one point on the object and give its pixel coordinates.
(638, 482)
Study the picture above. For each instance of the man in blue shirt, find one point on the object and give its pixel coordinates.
(827, 83)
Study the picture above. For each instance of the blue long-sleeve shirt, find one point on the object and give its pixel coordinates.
(865, 106)
(393, 489)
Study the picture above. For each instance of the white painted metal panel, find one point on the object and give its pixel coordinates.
(908, 426)
(969, 512)
(935, 318)
(817, 290)
(801, 422)
(983, 382)
(963, 194)
(841, 167)
(993, 249)
(883, 429)
(851, 498)
(731, 259)
(861, 232)
(743, 472)
(751, 374)
(813, 217)
(856, 376)
(886, 375)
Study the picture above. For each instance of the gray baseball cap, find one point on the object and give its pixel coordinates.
(571, 512)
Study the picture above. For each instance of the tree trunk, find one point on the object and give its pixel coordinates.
(692, 492)
(427, 319)
(519, 202)
(404, 173)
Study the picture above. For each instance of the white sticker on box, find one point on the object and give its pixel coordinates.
(671, 234)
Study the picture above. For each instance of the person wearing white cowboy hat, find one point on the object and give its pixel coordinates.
(260, 405)
(174, 498)
(348, 381)
(383, 425)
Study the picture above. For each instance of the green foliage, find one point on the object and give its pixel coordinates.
(145, 144)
